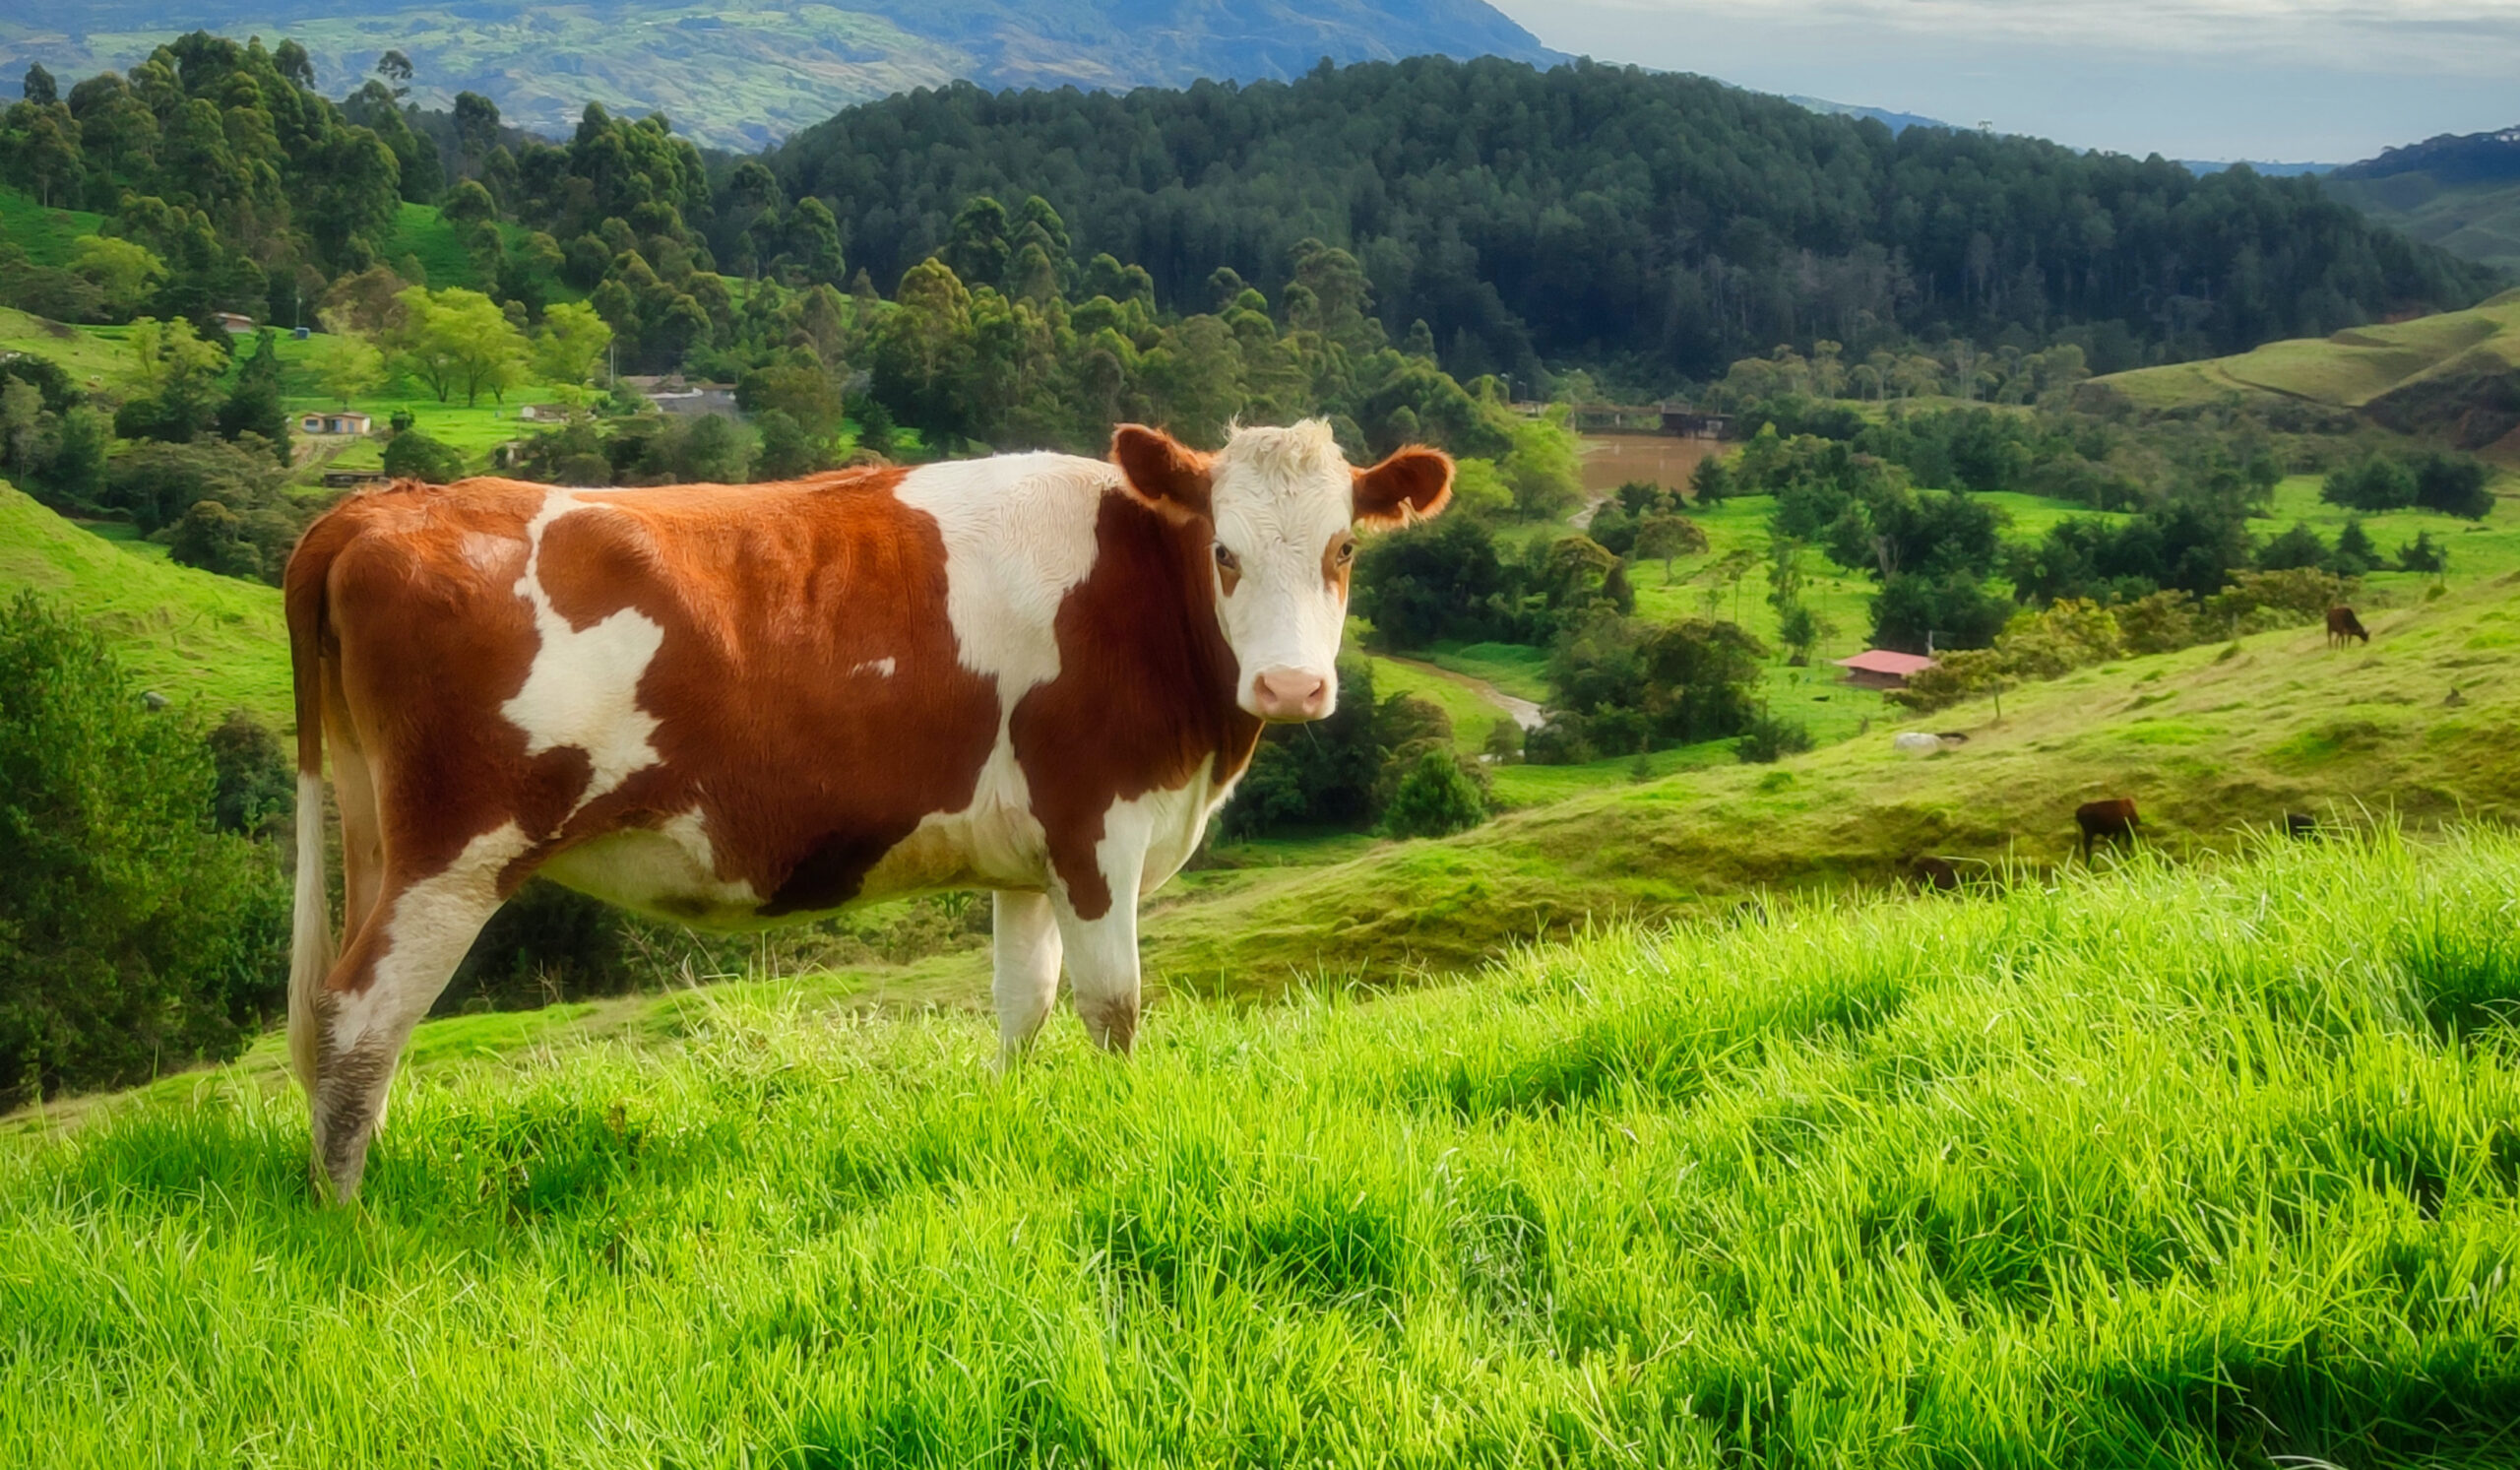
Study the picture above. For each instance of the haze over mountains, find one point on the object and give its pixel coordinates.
(739, 74)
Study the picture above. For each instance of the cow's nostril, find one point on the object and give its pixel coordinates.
(1289, 692)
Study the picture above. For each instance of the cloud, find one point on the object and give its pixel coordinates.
(2475, 38)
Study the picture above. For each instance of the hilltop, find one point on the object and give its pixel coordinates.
(743, 75)
(2449, 374)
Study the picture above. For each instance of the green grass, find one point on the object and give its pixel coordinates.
(92, 356)
(189, 634)
(1518, 669)
(2184, 1168)
(2481, 222)
(1472, 714)
(46, 235)
(422, 232)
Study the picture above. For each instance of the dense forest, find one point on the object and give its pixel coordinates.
(1667, 222)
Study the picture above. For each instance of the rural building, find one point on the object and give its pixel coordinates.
(1880, 668)
(332, 424)
(234, 321)
(543, 413)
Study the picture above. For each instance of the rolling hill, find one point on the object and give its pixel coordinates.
(2454, 373)
(2461, 193)
(742, 75)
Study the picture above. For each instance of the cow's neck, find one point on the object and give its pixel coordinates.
(1153, 604)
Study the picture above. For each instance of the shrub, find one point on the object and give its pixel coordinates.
(1953, 610)
(134, 935)
(155, 483)
(1435, 798)
(2292, 550)
(1771, 738)
(254, 788)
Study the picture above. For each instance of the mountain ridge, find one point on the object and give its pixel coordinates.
(743, 75)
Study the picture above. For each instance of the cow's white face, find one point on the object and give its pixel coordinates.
(1281, 506)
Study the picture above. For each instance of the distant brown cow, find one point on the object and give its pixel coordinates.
(2342, 624)
(2113, 818)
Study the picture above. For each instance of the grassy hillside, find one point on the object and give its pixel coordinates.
(2188, 1168)
(189, 634)
(46, 234)
(2212, 742)
(2433, 372)
(2478, 221)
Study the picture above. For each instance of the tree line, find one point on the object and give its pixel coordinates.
(1667, 223)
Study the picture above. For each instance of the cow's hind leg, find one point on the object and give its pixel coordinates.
(388, 975)
(1025, 943)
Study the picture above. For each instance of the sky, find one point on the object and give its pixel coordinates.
(2285, 81)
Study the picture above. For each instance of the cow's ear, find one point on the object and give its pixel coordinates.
(1160, 469)
(1411, 486)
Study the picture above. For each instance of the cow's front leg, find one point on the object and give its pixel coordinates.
(1023, 937)
(1097, 917)
(1103, 968)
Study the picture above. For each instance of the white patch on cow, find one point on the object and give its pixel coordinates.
(583, 690)
(880, 667)
(1019, 533)
(669, 870)
(433, 922)
(1280, 497)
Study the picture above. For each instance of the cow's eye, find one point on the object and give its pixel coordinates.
(1346, 552)
(1227, 559)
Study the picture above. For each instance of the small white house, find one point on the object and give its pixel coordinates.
(234, 321)
(344, 424)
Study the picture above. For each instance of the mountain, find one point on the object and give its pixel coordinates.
(2460, 192)
(740, 74)
(1896, 122)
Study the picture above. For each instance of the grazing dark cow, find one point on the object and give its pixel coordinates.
(1940, 874)
(2342, 624)
(2113, 820)
(743, 705)
(2298, 824)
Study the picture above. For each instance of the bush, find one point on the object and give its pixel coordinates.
(413, 455)
(254, 788)
(158, 484)
(1770, 738)
(2292, 550)
(1436, 798)
(134, 935)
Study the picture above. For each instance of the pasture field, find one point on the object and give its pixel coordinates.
(2185, 1166)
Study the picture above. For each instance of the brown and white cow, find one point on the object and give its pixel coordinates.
(735, 706)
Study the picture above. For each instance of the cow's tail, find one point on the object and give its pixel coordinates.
(311, 954)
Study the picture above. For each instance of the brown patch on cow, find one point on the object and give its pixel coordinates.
(1162, 472)
(2342, 627)
(1410, 484)
(1145, 694)
(808, 771)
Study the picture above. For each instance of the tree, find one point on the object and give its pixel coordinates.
(395, 69)
(1545, 468)
(140, 938)
(344, 361)
(1711, 481)
(1955, 609)
(476, 127)
(1770, 738)
(2354, 554)
(572, 341)
(1666, 537)
(458, 340)
(125, 273)
(414, 455)
(173, 378)
(2295, 548)
(2422, 556)
(1436, 798)
(254, 404)
(2453, 484)
(21, 427)
(39, 86)
(2380, 482)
